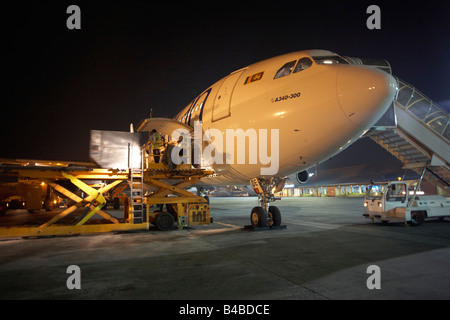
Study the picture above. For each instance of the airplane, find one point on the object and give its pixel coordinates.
(264, 123)
(312, 104)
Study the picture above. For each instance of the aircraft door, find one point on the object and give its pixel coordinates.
(222, 102)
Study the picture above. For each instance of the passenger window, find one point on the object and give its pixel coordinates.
(303, 63)
(285, 70)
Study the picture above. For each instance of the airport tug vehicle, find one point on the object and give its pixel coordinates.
(402, 201)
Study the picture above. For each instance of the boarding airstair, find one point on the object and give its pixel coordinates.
(415, 130)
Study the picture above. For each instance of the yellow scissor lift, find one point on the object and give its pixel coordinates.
(183, 207)
(168, 188)
(152, 186)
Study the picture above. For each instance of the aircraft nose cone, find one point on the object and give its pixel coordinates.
(365, 93)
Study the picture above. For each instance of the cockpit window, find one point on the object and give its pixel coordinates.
(303, 63)
(330, 60)
(285, 70)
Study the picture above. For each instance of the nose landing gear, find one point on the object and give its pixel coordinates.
(266, 216)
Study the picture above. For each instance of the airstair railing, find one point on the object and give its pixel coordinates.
(423, 108)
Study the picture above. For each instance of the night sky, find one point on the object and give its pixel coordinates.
(130, 56)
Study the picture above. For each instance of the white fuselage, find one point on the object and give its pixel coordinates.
(317, 111)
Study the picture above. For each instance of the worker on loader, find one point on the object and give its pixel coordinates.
(157, 145)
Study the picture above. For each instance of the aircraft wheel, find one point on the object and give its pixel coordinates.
(258, 217)
(275, 214)
(164, 221)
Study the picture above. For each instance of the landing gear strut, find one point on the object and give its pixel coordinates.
(266, 215)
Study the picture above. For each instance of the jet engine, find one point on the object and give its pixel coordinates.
(303, 176)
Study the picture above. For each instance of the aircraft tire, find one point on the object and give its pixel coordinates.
(258, 217)
(275, 214)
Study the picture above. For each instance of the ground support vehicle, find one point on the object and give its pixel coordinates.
(402, 201)
(164, 187)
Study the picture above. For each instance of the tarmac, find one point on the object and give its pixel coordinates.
(324, 253)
